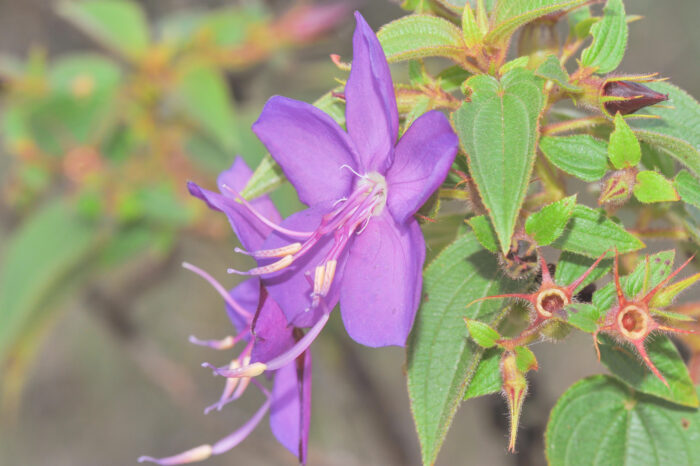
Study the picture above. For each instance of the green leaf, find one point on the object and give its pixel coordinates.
(677, 148)
(484, 232)
(623, 150)
(482, 334)
(579, 155)
(470, 29)
(204, 97)
(510, 15)
(570, 266)
(418, 36)
(609, 39)
(84, 75)
(39, 259)
(117, 24)
(552, 70)
(624, 363)
(688, 187)
(498, 131)
(576, 18)
(585, 317)
(654, 187)
(591, 233)
(487, 377)
(548, 224)
(600, 421)
(441, 357)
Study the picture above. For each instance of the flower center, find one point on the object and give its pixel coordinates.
(551, 301)
(633, 322)
(349, 216)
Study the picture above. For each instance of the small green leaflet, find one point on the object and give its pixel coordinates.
(600, 421)
(441, 357)
(417, 36)
(487, 378)
(548, 224)
(482, 334)
(609, 39)
(591, 233)
(552, 70)
(624, 149)
(580, 155)
(498, 131)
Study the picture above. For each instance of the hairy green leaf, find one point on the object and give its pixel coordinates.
(548, 224)
(599, 421)
(688, 187)
(441, 357)
(510, 15)
(579, 155)
(484, 232)
(609, 39)
(498, 131)
(417, 36)
(552, 70)
(624, 149)
(482, 334)
(591, 233)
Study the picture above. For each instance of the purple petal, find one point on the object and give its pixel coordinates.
(237, 178)
(273, 336)
(371, 114)
(247, 295)
(249, 229)
(289, 287)
(382, 282)
(291, 407)
(422, 160)
(310, 147)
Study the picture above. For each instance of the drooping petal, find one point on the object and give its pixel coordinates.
(291, 406)
(310, 147)
(248, 228)
(371, 113)
(290, 287)
(381, 286)
(273, 335)
(422, 160)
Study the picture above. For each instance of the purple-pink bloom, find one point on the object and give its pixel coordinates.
(271, 345)
(358, 242)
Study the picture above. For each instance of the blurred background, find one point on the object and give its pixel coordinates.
(101, 126)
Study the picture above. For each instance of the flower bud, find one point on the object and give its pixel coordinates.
(632, 96)
(616, 187)
(515, 390)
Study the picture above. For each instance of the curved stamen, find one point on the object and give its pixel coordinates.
(265, 220)
(345, 165)
(222, 291)
(223, 344)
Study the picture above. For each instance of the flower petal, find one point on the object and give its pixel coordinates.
(310, 147)
(422, 160)
(371, 113)
(382, 283)
(289, 287)
(291, 408)
(273, 336)
(247, 295)
(237, 178)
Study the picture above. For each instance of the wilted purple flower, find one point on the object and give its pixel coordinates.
(358, 241)
(266, 335)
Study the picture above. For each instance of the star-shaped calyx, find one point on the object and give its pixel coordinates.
(631, 320)
(547, 302)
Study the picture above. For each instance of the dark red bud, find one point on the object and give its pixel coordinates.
(636, 96)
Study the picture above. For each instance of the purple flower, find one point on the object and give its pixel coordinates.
(358, 242)
(271, 345)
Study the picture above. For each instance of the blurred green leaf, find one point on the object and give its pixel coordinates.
(205, 99)
(83, 75)
(609, 39)
(39, 258)
(417, 36)
(117, 24)
(688, 187)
